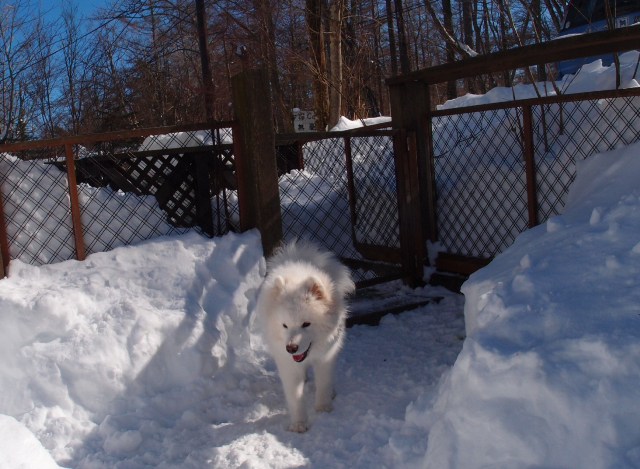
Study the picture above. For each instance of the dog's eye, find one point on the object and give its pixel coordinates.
(285, 326)
(306, 324)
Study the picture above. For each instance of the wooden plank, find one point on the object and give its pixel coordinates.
(110, 136)
(584, 45)
(370, 305)
(459, 264)
(408, 193)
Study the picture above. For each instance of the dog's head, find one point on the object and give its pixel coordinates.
(301, 312)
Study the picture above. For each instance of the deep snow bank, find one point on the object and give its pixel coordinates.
(102, 341)
(548, 375)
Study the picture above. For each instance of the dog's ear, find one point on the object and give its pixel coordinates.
(317, 289)
(277, 286)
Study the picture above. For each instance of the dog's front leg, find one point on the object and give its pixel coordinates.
(325, 393)
(293, 384)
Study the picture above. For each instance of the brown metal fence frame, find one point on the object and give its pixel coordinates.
(411, 110)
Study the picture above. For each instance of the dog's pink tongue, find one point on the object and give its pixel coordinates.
(299, 358)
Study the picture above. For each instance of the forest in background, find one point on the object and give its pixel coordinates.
(138, 63)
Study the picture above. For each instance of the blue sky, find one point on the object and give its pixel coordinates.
(88, 7)
(85, 7)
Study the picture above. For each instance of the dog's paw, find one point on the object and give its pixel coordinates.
(298, 427)
(324, 407)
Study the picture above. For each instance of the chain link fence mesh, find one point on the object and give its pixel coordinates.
(128, 191)
(480, 179)
(480, 171)
(338, 191)
(569, 132)
(343, 197)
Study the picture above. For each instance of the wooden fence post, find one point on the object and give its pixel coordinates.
(74, 202)
(4, 243)
(410, 105)
(530, 165)
(256, 167)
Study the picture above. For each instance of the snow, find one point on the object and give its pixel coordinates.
(555, 321)
(345, 123)
(591, 77)
(148, 356)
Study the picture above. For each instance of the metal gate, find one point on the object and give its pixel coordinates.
(343, 193)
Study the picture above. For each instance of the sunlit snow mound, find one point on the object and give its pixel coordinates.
(126, 336)
(549, 372)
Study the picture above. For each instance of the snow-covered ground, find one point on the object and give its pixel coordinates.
(550, 370)
(147, 356)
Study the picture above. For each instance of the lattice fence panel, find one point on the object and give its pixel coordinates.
(128, 191)
(570, 132)
(480, 181)
(36, 210)
(315, 201)
(375, 191)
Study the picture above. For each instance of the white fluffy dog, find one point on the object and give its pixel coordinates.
(302, 312)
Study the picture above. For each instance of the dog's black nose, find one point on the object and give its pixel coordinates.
(292, 348)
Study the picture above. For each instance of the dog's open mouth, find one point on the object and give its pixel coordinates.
(300, 357)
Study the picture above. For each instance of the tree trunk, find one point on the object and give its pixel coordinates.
(282, 117)
(405, 67)
(336, 16)
(450, 51)
(392, 40)
(315, 28)
(467, 27)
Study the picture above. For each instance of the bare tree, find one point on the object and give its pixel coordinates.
(16, 40)
(43, 77)
(336, 19)
(72, 66)
(315, 13)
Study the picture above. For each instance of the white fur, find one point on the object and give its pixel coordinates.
(304, 290)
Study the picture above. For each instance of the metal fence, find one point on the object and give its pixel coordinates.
(67, 198)
(502, 168)
(343, 195)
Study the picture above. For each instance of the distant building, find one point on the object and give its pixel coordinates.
(304, 121)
